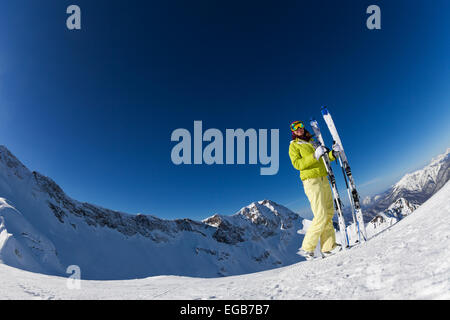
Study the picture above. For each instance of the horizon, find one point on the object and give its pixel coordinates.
(306, 210)
(94, 108)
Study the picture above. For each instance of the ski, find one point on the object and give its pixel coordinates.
(347, 172)
(337, 200)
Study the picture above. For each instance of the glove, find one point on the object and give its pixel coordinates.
(320, 151)
(337, 149)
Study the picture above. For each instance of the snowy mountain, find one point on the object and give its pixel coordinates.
(415, 187)
(44, 230)
(394, 213)
(408, 261)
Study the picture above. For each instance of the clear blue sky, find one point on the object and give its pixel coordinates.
(94, 109)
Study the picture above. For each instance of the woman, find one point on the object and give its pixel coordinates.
(307, 158)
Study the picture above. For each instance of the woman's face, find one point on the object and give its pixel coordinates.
(299, 131)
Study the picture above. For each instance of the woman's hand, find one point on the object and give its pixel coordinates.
(337, 149)
(320, 151)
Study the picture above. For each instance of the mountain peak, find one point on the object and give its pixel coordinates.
(441, 158)
(437, 169)
(8, 158)
(415, 187)
(12, 163)
(268, 213)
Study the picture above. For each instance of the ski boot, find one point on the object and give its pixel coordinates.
(335, 250)
(306, 254)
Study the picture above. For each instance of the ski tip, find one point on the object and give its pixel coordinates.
(324, 110)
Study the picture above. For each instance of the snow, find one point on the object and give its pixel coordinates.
(44, 230)
(410, 260)
(415, 187)
(417, 180)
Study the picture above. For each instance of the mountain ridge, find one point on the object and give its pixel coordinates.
(44, 230)
(416, 187)
(260, 236)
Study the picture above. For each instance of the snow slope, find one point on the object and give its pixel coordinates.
(410, 260)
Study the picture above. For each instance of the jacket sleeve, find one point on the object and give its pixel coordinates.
(299, 162)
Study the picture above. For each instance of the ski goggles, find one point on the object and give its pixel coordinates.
(297, 125)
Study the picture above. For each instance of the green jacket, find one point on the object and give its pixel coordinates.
(302, 158)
